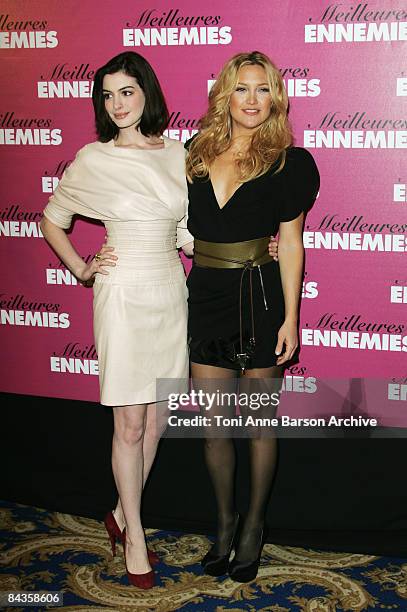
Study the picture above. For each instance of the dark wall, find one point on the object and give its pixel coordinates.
(342, 494)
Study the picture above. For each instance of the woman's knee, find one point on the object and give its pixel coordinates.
(217, 444)
(156, 423)
(129, 429)
(154, 431)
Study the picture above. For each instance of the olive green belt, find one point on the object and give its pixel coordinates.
(246, 255)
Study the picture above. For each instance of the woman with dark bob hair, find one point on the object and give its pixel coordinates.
(133, 180)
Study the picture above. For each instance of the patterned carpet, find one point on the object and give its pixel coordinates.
(50, 551)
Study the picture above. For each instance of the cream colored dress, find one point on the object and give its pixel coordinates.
(140, 308)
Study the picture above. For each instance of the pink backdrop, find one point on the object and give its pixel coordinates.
(344, 70)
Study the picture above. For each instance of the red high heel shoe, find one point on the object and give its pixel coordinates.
(142, 581)
(115, 534)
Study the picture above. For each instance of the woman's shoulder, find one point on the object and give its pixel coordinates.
(188, 143)
(299, 155)
(299, 161)
(175, 149)
(91, 148)
(84, 155)
(173, 143)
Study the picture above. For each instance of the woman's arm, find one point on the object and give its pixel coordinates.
(291, 259)
(63, 247)
(188, 249)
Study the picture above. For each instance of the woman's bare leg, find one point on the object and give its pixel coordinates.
(128, 467)
(155, 424)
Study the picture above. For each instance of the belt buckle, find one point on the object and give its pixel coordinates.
(243, 358)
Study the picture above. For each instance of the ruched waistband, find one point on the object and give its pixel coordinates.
(146, 252)
(159, 235)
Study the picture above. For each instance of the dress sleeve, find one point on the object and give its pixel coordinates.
(300, 183)
(183, 235)
(188, 142)
(69, 198)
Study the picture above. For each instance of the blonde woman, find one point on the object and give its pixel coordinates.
(246, 182)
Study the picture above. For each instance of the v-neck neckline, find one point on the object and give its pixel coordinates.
(228, 200)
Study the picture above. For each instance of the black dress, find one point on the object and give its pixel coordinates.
(255, 210)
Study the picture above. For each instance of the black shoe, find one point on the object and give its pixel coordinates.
(217, 565)
(247, 571)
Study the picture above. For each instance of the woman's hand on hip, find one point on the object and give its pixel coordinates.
(288, 339)
(273, 248)
(103, 258)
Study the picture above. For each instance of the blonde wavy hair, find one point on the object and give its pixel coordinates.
(270, 140)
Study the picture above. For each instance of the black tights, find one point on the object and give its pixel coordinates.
(220, 455)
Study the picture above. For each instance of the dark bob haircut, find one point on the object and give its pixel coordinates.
(155, 115)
